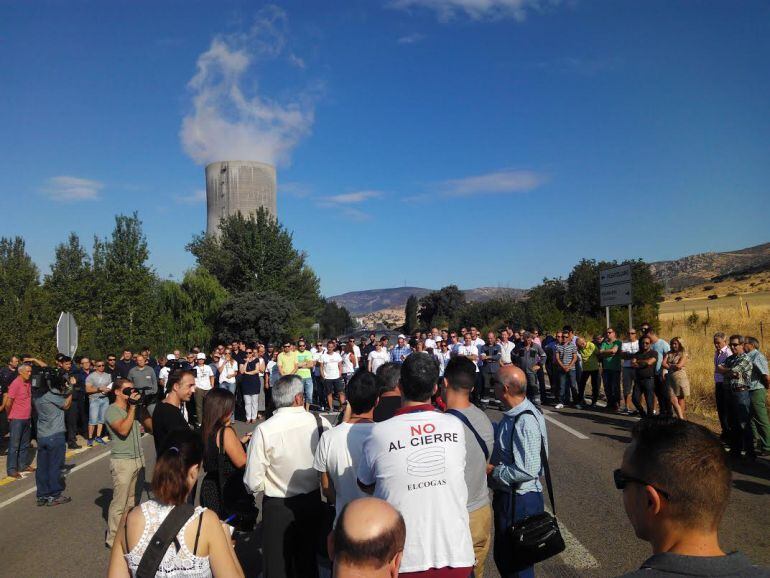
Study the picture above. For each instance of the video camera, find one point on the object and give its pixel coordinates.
(144, 400)
(176, 365)
(51, 379)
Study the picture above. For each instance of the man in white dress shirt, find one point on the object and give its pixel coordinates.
(280, 464)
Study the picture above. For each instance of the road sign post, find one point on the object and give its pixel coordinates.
(66, 334)
(615, 289)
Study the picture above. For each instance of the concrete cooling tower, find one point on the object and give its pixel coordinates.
(233, 186)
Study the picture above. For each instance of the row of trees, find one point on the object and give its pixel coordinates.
(250, 282)
(552, 304)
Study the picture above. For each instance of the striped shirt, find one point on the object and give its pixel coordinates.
(566, 352)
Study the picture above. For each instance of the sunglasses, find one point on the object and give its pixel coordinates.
(735, 344)
(99, 365)
(622, 480)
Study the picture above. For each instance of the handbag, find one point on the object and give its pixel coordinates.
(234, 498)
(537, 537)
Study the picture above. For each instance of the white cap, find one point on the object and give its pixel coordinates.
(437, 339)
(402, 336)
(201, 355)
(170, 356)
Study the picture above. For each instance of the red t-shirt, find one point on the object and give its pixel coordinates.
(20, 392)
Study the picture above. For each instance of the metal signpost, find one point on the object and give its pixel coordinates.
(615, 289)
(66, 334)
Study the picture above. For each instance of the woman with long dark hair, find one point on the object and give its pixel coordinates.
(203, 545)
(224, 454)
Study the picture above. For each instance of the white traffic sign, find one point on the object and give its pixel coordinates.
(66, 334)
(619, 294)
(621, 274)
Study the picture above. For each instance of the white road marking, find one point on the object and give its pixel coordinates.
(575, 554)
(547, 414)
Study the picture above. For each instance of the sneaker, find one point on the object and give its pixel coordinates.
(60, 500)
(90, 443)
(99, 440)
(559, 406)
(578, 406)
(42, 501)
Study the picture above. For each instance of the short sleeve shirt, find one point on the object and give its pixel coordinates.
(416, 462)
(98, 379)
(304, 357)
(122, 448)
(50, 414)
(589, 357)
(612, 362)
(758, 369)
(378, 358)
(286, 361)
(330, 362)
(20, 392)
(661, 347)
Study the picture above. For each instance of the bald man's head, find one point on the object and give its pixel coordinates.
(369, 535)
(512, 382)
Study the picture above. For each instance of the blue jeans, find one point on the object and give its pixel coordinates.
(97, 407)
(307, 386)
(18, 445)
(740, 422)
(611, 378)
(229, 386)
(505, 514)
(564, 392)
(50, 459)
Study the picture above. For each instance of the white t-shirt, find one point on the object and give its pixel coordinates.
(163, 374)
(357, 351)
(468, 350)
(203, 375)
(443, 358)
(338, 454)
(430, 343)
(226, 369)
(629, 347)
(330, 361)
(378, 358)
(417, 463)
(347, 365)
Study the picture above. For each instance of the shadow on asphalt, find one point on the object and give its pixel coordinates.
(601, 418)
(103, 501)
(751, 487)
(617, 438)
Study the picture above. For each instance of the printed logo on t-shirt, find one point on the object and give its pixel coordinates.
(426, 457)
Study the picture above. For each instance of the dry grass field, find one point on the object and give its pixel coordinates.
(729, 315)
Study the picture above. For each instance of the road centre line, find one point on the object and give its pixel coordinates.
(547, 415)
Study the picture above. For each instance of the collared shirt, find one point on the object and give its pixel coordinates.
(589, 357)
(527, 357)
(506, 348)
(397, 352)
(20, 392)
(493, 354)
(281, 454)
(522, 468)
(734, 565)
(719, 359)
(758, 369)
(741, 366)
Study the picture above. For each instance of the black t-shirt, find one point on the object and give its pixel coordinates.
(124, 367)
(165, 419)
(648, 370)
(387, 407)
(7, 375)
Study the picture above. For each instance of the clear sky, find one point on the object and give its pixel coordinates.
(426, 142)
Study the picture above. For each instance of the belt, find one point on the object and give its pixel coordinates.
(740, 388)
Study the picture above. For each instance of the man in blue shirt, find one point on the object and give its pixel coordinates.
(51, 446)
(515, 467)
(400, 352)
(661, 347)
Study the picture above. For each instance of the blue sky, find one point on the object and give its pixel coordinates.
(426, 142)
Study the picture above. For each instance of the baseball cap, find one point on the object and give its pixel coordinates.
(200, 356)
(401, 336)
(170, 357)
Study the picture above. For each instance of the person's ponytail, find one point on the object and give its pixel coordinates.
(183, 450)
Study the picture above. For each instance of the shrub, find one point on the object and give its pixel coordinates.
(708, 287)
(692, 320)
(714, 296)
(678, 298)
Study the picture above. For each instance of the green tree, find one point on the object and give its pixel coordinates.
(410, 315)
(442, 304)
(256, 253)
(26, 320)
(254, 315)
(335, 319)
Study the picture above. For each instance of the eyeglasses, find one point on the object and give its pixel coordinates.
(111, 359)
(735, 344)
(621, 480)
(99, 365)
(632, 332)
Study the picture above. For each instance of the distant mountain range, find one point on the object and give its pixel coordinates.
(675, 274)
(703, 267)
(362, 302)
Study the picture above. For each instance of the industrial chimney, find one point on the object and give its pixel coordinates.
(233, 186)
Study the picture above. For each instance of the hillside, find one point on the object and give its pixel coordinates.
(371, 300)
(704, 267)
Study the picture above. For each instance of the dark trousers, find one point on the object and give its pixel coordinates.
(50, 459)
(290, 540)
(18, 445)
(661, 392)
(595, 385)
(722, 399)
(646, 386)
(533, 391)
(505, 514)
(611, 378)
(541, 383)
(478, 387)
(741, 437)
(76, 418)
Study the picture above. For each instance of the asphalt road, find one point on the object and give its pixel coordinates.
(585, 446)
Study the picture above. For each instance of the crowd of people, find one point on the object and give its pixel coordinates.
(400, 484)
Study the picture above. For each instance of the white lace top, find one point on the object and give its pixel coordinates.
(175, 564)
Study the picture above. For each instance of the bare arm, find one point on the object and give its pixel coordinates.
(327, 487)
(122, 427)
(222, 556)
(234, 449)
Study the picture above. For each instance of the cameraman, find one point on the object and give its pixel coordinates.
(51, 444)
(126, 457)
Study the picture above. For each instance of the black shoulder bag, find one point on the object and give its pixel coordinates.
(459, 415)
(235, 498)
(162, 539)
(537, 537)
